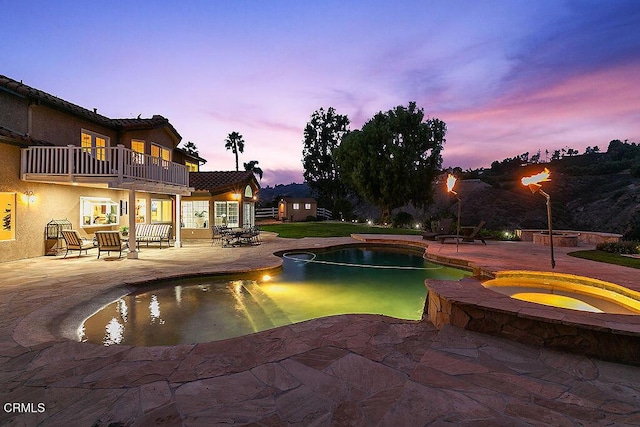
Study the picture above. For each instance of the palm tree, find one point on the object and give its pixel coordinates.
(235, 143)
(251, 166)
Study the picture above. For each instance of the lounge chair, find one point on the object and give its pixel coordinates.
(471, 237)
(76, 243)
(444, 227)
(110, 241)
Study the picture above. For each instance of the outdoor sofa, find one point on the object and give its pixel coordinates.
(153, 233)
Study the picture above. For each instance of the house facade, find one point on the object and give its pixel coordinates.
(223, 198)
(59, 161)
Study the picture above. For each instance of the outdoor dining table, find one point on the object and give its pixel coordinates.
(234, 236)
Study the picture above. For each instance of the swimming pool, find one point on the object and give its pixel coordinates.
(374, 280)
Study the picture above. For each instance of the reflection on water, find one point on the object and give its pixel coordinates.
(389, 282)
(556, 301)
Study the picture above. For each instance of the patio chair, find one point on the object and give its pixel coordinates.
(74, 242)
(217, 234)
(250, 236)
(471, 237)
(110, 241)
(444, 227)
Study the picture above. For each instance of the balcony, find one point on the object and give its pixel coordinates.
(110, 167)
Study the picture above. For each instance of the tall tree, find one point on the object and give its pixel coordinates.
(322, 135)
(235, 143)
(253, 167)
(394, 159)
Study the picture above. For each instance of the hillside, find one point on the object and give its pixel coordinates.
(608, 203)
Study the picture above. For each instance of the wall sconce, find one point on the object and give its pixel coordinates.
(28, 197)
(236, 196)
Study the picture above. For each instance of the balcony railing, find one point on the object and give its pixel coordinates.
(116, 165)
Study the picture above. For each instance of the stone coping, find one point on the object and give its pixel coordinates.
(583, 237)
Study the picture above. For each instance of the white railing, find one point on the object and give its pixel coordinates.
(267, 213)
(118, 163)
(273, 213)
(324, 213)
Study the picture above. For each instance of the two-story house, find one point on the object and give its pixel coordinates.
(61, 161)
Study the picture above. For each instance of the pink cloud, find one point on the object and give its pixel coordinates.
(585, 110)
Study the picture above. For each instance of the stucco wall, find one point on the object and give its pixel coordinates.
(64, 129)
(158, 136)
(14, 112)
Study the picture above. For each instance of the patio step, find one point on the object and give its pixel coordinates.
(268, 305)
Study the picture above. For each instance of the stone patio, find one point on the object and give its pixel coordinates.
(343, 370)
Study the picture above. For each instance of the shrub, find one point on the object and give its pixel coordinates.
(622, 247)
(403, 219)
(311, 218)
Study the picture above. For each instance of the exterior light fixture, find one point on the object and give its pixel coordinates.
(533, 182)
(451, 182)
(29, 197)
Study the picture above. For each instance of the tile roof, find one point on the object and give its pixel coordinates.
(154, 122)
(220, 181)
(20, 89)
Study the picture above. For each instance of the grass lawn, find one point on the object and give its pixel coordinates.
(298, 230)
(608, 258)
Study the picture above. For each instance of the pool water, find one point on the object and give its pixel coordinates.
(310, 285)
(566, 291)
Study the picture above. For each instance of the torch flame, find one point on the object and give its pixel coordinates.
(537, 178)
(451, 181)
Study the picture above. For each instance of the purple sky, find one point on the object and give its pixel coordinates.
(505, 76)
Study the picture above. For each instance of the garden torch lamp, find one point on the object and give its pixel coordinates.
(533, 182)
(451, 182)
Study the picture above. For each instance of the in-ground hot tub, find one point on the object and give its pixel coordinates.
(566, 291)
(544, 319)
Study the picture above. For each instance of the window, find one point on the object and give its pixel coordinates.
(248, 192)
(192, 167)
(160, 151)
(8, 215)
(137, 146)
(161, 210)
(96, 211)
(141, 211)
(296, 206)
(307, 206)
(162, 155)
(226, 213)
(195, 214)
(94, 144)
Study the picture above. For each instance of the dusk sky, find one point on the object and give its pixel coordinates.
(505, 76)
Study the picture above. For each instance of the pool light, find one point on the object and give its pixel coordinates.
(533, 182)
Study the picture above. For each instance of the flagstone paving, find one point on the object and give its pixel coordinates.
(344, 370)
